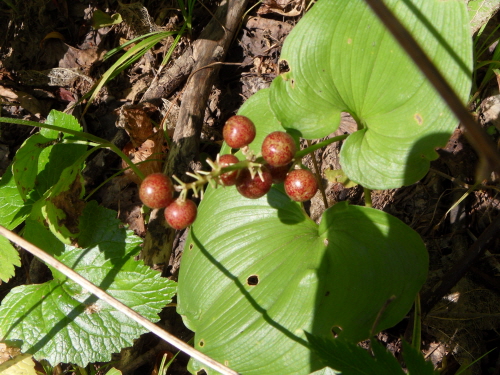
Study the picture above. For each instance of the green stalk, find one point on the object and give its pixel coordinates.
(368, 197)
(102, 142)
(317, 146)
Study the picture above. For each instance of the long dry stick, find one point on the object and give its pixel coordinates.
(168, 337)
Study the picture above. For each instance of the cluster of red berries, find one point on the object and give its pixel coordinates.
(278, 151)
(157, 191)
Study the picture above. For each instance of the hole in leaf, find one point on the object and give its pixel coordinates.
(283, 67)
(253, 280)
(336, 330)
(190, 246)
(327, 293)
(201, 344)
(201, 372)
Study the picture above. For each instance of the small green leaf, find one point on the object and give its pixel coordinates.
(9, 257)
(338, 176)
(101, 19)
(72, 325)
(62, 120)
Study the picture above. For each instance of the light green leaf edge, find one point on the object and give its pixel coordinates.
(9, 257)
(13, 210)
(337, 65)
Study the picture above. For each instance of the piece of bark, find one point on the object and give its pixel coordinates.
(209, 48)
(171, 79)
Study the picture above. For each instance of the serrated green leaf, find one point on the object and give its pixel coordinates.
(21, 364)
(309, 278)
(61, 322)
(351, 359)
(62, 120)
(13, 210)
(9, 257)
(337, 65)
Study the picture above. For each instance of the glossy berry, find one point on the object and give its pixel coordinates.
(278, 149)
(279, 173)
(156, 191)
(254, 188)
(300, 185)
(181, 214)
(228, 178)
(239, 131)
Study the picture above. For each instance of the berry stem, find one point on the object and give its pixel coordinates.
(300, 154)
(317, 175)
(203, 177)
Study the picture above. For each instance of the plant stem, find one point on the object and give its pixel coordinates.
(317, 174)
(368, 197)
(319, 145)
(104, 143)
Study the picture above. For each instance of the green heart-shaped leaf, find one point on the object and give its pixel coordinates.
(342, 59)
(256, 274)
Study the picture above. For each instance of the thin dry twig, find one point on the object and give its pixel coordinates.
(168, 337)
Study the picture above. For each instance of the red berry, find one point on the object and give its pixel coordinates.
(181, 213)
(300, 185)
(278, 149)
(239, 131)
(156, 191)
(255, 187)
(228, 178)
(279, 173)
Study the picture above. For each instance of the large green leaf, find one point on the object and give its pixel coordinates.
(341, 59)
(62, 322)
(256, 274)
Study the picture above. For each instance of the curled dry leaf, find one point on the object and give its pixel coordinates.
(151, 152)
(136, 122)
